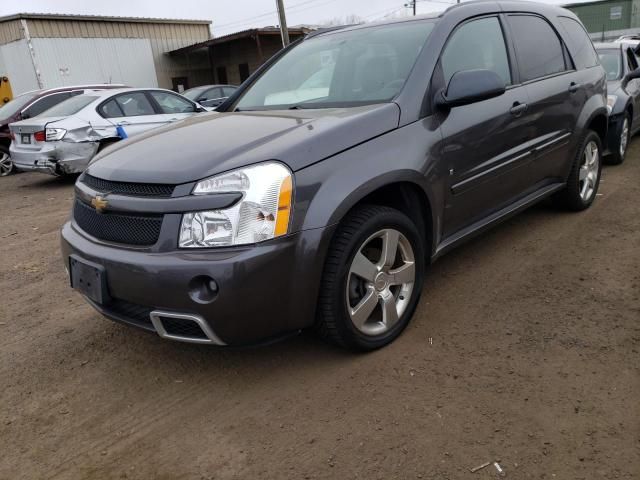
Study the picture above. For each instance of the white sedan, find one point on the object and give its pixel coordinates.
(64, 139)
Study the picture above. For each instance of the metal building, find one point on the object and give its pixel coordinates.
(46, 51)
(608, 19)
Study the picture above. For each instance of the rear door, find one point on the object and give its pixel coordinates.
(555, 90)
(133, 111)
(485, 143)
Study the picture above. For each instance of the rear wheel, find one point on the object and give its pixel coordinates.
(6, 165)
(584, 179)
(372, 278)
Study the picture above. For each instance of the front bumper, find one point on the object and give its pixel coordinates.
(54, 158)
(264, 290)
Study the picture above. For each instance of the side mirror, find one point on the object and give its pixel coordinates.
(632, 75)
(470, 86)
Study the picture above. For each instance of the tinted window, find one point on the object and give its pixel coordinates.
(610, 60)
(213, 93)
(631, 60)
(70, 106)
(170, 103)
(134, 104)
(111, 110)
(580, 43)
(478, 44)
(45, 103)
(540, 52)
(194, 93)
(15, 105)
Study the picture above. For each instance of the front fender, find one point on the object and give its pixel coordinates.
(327, 190)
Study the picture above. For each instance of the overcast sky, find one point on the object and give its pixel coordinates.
(229, 16)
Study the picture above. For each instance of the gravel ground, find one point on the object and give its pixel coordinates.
(524, 349)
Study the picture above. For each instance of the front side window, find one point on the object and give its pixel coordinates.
(540, 52)
(478, 44)
(610, 60)
(170, 103)
(134, 104)
(340, 69)
(632, 62)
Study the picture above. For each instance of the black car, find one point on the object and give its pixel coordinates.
(623, 100)
(337, 172)
(210, 95)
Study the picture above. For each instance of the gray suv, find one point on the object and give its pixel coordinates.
(337, 173)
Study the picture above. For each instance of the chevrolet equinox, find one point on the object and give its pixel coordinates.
(336, 173)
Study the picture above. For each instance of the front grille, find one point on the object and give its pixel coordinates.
(127, 188)
(182, 328)
(116, 227)
(130, 312)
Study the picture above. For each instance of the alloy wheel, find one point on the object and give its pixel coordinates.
(624, 137)
(380, 282)
(6, 165)
(589, 169)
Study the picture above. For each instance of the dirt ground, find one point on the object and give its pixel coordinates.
(524, 349)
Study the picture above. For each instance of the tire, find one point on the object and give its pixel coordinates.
(6, 165)
(623, 134)
(587, 167)
(357, 312)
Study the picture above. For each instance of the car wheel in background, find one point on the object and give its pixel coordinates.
(6, 165)
(624, 136)
(584, 179)
(372, 278)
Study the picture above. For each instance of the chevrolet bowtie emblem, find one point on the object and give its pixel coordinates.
(99, 203)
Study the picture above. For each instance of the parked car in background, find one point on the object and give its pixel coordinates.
(65, 138)
(32, 104)
(210, 96)
(272, 218)
(623, 96)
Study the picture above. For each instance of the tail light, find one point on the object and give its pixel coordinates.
(40, 136)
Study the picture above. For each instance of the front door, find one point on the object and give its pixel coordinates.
(485, 143)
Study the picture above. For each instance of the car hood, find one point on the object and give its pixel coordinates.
(208, 144)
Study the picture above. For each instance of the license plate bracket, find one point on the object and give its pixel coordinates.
(26, 138)
(88, 278)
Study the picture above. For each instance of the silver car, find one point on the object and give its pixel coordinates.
(65, 138)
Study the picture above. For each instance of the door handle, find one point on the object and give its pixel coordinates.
(123, 124)
(574, 87)
(518, 108)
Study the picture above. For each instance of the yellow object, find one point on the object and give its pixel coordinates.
(6, 95)
(284, 207)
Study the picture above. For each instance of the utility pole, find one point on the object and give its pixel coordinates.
(412, 4)
(284, 31)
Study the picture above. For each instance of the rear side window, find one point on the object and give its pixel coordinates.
(539, 49)
(579, 42)
(134, 104)
(111, 110)
(478, 44)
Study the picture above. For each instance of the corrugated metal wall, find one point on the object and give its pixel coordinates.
(10, 31)
(77, 61)
(164, 37)
(18, 66)
(604, 16)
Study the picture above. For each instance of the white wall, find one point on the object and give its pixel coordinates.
(78, 61)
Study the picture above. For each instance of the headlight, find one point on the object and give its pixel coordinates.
(53, 134)
(611, 101)
(262, 213)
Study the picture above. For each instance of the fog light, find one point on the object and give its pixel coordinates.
(203, 289)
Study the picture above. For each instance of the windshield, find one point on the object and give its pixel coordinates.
(341, 69)
(611, 62)
(194, 93)
(70, 106)
(15, 105)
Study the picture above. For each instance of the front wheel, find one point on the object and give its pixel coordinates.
(624, 136)
(372, 279)
(6, 165)
(584, 178)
